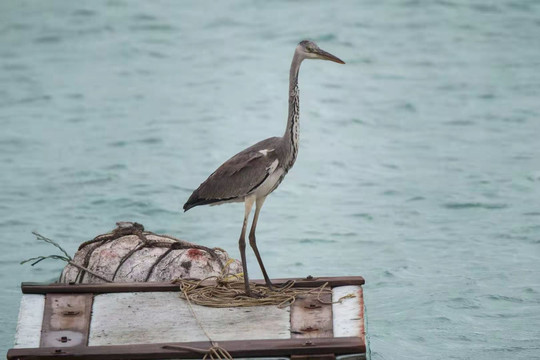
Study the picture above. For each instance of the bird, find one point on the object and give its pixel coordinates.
(252, 174)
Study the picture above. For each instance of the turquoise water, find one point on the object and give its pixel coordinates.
(419, 163)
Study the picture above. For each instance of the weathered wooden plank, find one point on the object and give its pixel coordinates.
(36, 288)
(283, 347)
(66, 320)
(138, 317)
(348, 316)
(311, 318)
(156, 317)
(58, 288)
(30, 320)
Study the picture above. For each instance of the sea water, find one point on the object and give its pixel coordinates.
(419, 161)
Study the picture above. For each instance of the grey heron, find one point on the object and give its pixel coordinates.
(255, 172)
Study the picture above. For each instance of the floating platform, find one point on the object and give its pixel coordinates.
(151, 321)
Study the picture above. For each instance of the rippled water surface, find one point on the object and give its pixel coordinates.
(419, 164)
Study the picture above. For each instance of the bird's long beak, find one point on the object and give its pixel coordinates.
(327, 56)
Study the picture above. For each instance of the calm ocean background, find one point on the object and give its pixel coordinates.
(419, 164)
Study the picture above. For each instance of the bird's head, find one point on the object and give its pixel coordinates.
(309, 50)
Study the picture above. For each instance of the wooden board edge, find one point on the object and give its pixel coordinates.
(37, 288)
(311, 318)
(237, 348)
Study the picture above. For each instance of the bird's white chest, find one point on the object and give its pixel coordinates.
(271, 182)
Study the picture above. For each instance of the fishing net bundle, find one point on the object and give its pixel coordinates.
(131, 254)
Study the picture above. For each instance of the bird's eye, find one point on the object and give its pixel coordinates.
(309, 48)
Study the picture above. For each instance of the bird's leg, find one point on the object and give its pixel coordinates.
(248, 202)
(253, 241)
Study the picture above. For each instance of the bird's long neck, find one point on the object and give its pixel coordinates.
(291, 135)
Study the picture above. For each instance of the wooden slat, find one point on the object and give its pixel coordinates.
(348, 314)
(30, 321)
(36, 288)
(311, 318)
(238, 348)
(158, 317)
(314, 357)
(66, 320)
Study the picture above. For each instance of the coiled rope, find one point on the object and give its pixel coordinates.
(228, 291)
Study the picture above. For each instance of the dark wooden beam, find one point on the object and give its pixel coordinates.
(38, 288)
(314, 357)
(192, 350)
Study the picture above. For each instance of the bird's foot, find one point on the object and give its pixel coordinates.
(287, 284)
(270, 286)
(257, 295)
(253, 294)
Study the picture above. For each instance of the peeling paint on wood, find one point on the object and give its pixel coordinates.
(30, 321)
(154, 317)
(311, 318)
(348, 316)
(66, 320)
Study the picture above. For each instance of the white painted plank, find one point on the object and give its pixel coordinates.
(30, 319)
(155, 317)
(348, 316)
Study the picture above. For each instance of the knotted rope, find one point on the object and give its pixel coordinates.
(231, 293)
(228, 291)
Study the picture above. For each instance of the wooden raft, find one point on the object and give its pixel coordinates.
(146, 320)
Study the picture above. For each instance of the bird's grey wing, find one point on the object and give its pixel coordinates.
(238, 176)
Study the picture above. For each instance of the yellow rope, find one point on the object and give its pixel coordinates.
(229, 291)
(232, 293)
